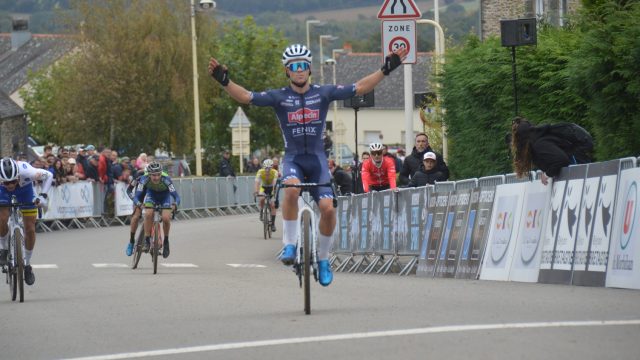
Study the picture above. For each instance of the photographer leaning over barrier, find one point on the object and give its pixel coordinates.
(548, 147)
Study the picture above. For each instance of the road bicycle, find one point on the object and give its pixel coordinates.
(306, 262)
(157, 239)
(14, 269)
(265, 215)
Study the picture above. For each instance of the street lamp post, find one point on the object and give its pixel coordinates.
(204, 5)
(324, 37)
(309, 22)
(439, 63)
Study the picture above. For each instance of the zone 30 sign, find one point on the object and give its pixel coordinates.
(398, 34)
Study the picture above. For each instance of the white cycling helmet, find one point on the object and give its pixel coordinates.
(8, 170)
(375, 146)
(267, 164)
(296, 52)
(154, 168)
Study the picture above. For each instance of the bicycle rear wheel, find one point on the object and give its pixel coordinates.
(137, 249)
(19, 264)
(306, 258)
(155, 247)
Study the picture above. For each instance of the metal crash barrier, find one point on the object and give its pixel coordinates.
(86, 204)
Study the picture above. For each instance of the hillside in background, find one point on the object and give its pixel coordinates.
(353, 21)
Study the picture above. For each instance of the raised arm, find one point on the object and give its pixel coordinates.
(391, 62)
(220, 73)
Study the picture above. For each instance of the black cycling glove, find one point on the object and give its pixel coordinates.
(391, 62)
(221, 74)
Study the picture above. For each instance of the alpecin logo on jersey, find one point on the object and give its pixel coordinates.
(309, 116)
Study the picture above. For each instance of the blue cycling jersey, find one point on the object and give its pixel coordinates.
(302, 117)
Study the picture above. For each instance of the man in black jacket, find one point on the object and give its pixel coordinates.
(428, 173)
(413, 162)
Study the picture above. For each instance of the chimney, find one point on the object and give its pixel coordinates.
(20, 33)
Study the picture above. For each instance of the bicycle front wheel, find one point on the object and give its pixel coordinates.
(306, 258)
(265, 221)
(137, 249)
(155, 247)
(11, 273)
(19, 264)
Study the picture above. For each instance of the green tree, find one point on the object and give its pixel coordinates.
(253, 56)
(605, 73)
(131, 74)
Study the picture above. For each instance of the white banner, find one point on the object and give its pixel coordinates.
(566, 240)
(124, 205)
(507, 209)
(526, 261)
(552, 223)
(623, 270)
(70, 200)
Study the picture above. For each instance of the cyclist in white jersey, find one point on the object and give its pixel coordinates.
(17, 178)
(301, 109)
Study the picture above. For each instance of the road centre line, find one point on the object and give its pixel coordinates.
(361, 335)
(44, 266)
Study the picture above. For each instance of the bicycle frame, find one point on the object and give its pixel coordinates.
(15, 262)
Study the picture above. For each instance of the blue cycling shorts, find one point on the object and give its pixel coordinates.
(309, 168)
(24, 194)
(164, 199)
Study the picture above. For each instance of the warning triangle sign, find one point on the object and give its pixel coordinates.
(399, 9)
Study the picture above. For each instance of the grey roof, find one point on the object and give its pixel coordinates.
(389, 94)
(38, 53)
(8, 108)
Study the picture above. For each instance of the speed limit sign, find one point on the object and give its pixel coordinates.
(399, 34)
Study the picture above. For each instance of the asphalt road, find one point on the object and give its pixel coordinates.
(224, 295)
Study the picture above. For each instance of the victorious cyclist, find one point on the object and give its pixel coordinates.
(266, 180)
(301, 109)
(16, 178)
(159, 190)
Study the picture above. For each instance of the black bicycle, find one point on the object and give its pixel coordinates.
(306, 262)
(265, 214)
(14, 269)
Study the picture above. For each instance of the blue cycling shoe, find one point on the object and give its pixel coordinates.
(326, 276)
(130, 249)
(288, 254)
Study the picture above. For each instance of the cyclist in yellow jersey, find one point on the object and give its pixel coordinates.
(266, 179)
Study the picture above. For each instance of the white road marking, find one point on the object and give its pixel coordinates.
(247, 265)
(361, 335)
(45, 266)
(179, 265)
(110, 265)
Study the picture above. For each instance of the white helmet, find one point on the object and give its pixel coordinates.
(296, 52)
(267, 164)
(8, 170)
(375, 146)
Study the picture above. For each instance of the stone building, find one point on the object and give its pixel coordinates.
(552, 11)
(13, 127)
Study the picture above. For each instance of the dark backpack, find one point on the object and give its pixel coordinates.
(579, 138)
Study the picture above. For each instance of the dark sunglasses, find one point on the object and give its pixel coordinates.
(376, 153)
(12, 182)
(300, 65)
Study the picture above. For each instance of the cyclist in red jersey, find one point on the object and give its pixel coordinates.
(378, 172)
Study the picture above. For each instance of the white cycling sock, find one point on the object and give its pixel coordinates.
(3, 241)
(27, 256)
(324, 246)
(289, 232)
